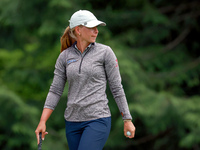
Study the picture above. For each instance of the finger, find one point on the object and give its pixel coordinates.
(37, 136)
(43, 135)
(125, 134)
(132, 134)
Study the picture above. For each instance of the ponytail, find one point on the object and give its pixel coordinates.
(66, 40)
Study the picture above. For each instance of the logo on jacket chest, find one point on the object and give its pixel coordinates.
(71, 61)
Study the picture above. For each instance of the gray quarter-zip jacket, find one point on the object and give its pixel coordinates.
(87, 74)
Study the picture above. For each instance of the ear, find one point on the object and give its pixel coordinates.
(77, 30)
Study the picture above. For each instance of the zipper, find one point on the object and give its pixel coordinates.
(80, 64)
(82, 56)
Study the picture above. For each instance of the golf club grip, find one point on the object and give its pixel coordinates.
(40, 141)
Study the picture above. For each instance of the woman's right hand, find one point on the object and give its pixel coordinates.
(41, 128)
(42, 124)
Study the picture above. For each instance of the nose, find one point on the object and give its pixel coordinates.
(96, 30)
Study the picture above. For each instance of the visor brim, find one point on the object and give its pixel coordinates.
(94, 23)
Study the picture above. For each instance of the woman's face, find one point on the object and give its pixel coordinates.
(88, 34)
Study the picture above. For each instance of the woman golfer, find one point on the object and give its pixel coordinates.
(86, 66)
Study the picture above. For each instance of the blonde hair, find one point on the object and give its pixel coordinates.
(68, 38)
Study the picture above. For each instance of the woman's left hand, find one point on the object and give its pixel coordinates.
(128, 126)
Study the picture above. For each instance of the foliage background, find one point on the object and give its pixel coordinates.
(157, 45)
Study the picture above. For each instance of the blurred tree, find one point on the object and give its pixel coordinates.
(17, 122)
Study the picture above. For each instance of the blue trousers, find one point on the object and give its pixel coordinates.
(88, 135)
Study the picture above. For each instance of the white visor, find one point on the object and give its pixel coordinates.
(85, 18)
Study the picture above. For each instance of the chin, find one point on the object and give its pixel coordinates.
(92, 41)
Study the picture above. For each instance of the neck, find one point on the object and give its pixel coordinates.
(82, 45)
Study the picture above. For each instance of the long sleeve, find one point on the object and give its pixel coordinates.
(114, 80)
(58, 84)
